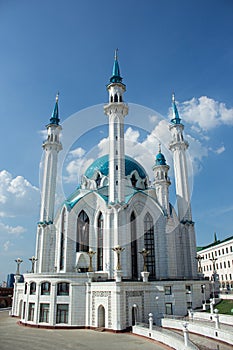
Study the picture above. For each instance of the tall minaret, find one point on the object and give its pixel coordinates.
(46, 230)
(52, 147)
(179, 146)
(162, 181)
(116, 110)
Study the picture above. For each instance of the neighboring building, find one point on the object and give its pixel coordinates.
(219, 256)
(89, 272)
(6, 295)
(11, 280)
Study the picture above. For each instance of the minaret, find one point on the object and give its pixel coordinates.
(52, 147)
(162, 181)
(179, 146)
(46, 231)
(116, 110)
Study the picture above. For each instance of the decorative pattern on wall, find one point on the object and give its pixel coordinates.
(131, 294)
(101, 294)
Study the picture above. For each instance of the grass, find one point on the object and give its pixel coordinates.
(225, 307)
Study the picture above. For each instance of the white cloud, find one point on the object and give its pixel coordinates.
(6, 245)
(17, 195)
(220, 150)
(205, 112)
(15, 230)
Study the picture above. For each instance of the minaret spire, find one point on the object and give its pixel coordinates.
(55, 115)
(176, 118)
(116, 110)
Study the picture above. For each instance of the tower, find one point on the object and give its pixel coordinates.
(162, 181)
(116, 110)
(188, 263)
(52, 146)
(179, 146)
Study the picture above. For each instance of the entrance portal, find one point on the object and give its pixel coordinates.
(101, 316)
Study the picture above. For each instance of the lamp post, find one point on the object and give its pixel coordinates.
(199, 259)
(118, 249)
(33, 259)
(18, 262)
(90, 253)
(144, 254)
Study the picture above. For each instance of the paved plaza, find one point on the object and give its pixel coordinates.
(13, 336)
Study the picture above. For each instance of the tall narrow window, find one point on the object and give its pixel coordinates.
(100, 243)
(134, 260)
(31, 310)
(82, 242)
(62, 313)
(44, 313)
(149, 244)
(62, 239)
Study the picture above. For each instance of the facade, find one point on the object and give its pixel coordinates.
(88, 270)
(217, 258)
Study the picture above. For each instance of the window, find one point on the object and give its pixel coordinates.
(210, 267)
(24, 309)
(116, 167)
(226, 250)
(219, 252)
(216, 265)
(82, 243)
(62, 240)
(45, 288)
(134, 250)
(149, 244)
(189, 305)
(207, 268)
(215, 252)
(31, 310)
(204, 268)
(62, 313)
(100, 243)
(224, 263)
(206, 256)
(168, 309)
(33, 288)
(44, 313)
(229, 265)
(188, 289)
(63, 288)
(223, 250)
(220, 265)
(231, 249)
(168, 290)
(222, 277)
(230, 276)
(209, 255)
(226, 277)
(25, 288)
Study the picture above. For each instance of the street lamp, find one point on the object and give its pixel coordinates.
(204, 291)
(144, 254)
(90, 253)
(18, 262)
(33, 259)
(118, 249)
(135, 307)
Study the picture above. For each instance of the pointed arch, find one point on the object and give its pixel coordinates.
(134, 248)
(100, 225)
(101, 316)
(149, 244)
(82, 240)
(62, 238)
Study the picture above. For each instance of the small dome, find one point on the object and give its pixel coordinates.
(160, 159)
(102, 165)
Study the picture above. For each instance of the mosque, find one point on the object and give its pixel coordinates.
(116, 250)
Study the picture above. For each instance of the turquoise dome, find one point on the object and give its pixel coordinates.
(160, 159)
(102, 165)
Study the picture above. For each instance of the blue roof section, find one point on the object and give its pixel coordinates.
(102, 165)
(176, 118)
(55, 115)
(116, 75)
(160, 159)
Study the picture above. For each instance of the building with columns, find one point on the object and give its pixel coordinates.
(117, 249)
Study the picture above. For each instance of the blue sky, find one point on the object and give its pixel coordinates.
(164, 46)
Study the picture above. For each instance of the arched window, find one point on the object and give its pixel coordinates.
(149, 244)
(115, 98)
(82, 242)
(32, 288)
(63, 288)
(134, 252)
(100, 243)
(45, 288)
(62, 239)
(133, 180)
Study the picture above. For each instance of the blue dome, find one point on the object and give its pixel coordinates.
(101, 164)
(160, 159)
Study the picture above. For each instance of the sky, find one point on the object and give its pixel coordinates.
(68, 46)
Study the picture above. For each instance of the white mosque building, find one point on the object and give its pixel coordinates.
(116, 250)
